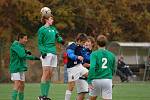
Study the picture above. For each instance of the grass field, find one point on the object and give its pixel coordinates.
(123, 91)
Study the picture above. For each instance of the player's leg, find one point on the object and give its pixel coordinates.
(21, 90)
(45, 80)
(106, 89)
(21, 86)
(121, 75)
(93, 97)
(71, 82)
(45, 83)
(82, 88)
(73, 74)
(81, 96)
(15, 89)
(82, 70)
(128, 71)
(84, 73)
(70, 87)
(49, 80)
(48, 63)
(17, 78)
(53, 64)
(95, 89)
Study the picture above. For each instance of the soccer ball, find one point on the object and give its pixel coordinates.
(46, 12)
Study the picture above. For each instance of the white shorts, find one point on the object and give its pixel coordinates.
(82, 86)
(75, 72)
(18, 76)
(101, 87)
(49, 60)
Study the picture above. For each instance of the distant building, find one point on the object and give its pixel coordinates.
(134, 53)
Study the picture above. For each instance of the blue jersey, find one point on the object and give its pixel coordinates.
(86, 55)
(73, 51)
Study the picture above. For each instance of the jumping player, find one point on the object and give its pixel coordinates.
(47, 37)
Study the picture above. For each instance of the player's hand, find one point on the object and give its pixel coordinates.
(86, 65)
(80, 58)
(44, 55)
(90, 87)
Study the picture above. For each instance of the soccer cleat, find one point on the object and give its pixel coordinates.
(43, 98)
(40, 98)
(46, 98)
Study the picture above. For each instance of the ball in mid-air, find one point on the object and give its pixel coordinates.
(46, 12)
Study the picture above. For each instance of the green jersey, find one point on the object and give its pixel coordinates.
(18, 58)
(47, 37)
(102, 65)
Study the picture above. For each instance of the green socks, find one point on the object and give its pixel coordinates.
(45, 88)
(21, 96)
(14, 95)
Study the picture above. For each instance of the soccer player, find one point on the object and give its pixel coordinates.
(102, 66)
(75, 68)
(81, 83)
(47, 37)
(18, 66)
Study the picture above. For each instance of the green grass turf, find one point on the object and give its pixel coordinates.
(123, 91)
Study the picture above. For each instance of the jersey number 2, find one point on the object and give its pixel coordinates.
(104, 62)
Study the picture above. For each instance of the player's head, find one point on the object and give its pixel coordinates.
(48, 20)
(22, 38)
(101, 41)
(121, 57)
(90, 42)
(81, 38)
